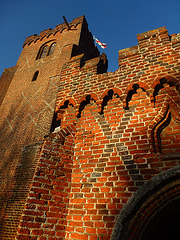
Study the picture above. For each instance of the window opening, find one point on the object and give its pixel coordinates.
(35, 76)
(55, 123)
(51, 49)
(44, 51)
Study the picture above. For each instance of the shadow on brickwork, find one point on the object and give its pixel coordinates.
(17, 189)
(49, 194)
(17, 169)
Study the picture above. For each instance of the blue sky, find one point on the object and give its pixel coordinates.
(115, 22)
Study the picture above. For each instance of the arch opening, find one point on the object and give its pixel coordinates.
(130, 94)
(165, 224)
(153, 211)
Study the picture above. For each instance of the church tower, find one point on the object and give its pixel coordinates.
(28, 97)
(88, 154)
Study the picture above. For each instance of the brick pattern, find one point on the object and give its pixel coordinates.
(155, 204)
(13, 201)
(5, 81)
(27, 108)
(47, 204)
(122, 139)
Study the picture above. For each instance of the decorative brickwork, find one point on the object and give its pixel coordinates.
(27, 109)
(113, 153)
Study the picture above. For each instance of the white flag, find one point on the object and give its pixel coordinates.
(103, 45)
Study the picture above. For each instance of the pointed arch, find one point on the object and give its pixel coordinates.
(46, 49)
(152, 198)
(52, 48)
(169, 109)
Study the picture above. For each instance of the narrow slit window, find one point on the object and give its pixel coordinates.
(35, 76)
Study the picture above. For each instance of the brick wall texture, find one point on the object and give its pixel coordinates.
(116, 154)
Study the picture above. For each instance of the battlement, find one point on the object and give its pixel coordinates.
(149, 43)
(152, 33)
(175, 39)
(128, 52)
(59, 28)
(90, 154)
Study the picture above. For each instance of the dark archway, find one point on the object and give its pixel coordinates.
(165, 224)
(153, 211)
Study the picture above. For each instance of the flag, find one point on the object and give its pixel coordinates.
(103, 45)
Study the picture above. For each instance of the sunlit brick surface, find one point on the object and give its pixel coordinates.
(118, 132)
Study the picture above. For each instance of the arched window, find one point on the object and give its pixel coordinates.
(35, 76)
(44, 51)
(51, 48)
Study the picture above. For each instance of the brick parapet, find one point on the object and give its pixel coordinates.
(160, 32)
(117, 146)
(152, 46)
(48, 200)
(58, 28)
(175, 40)
(118, 131)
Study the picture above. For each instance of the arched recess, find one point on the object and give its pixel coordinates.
(46, 49)
(131, 90)
(169, 79)
(168, 116)
(108, 95)
(58, 113)
(151, 209)
(87, 99)
(160, 82)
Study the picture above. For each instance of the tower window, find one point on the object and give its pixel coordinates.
(51, 49)
(46, 50)
(35, 76)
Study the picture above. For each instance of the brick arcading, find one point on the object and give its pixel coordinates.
(117, 133)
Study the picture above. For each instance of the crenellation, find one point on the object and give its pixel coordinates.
(151, 34)
(58, 28)
(93, 154)
(175, 40)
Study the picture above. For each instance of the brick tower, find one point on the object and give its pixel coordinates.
(89, 154)
(28, 98)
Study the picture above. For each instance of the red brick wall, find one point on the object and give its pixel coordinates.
(5, 81)
(122, 139)
(47, 205)
(27, 110)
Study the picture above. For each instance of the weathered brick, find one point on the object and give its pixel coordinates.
(118, 132)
